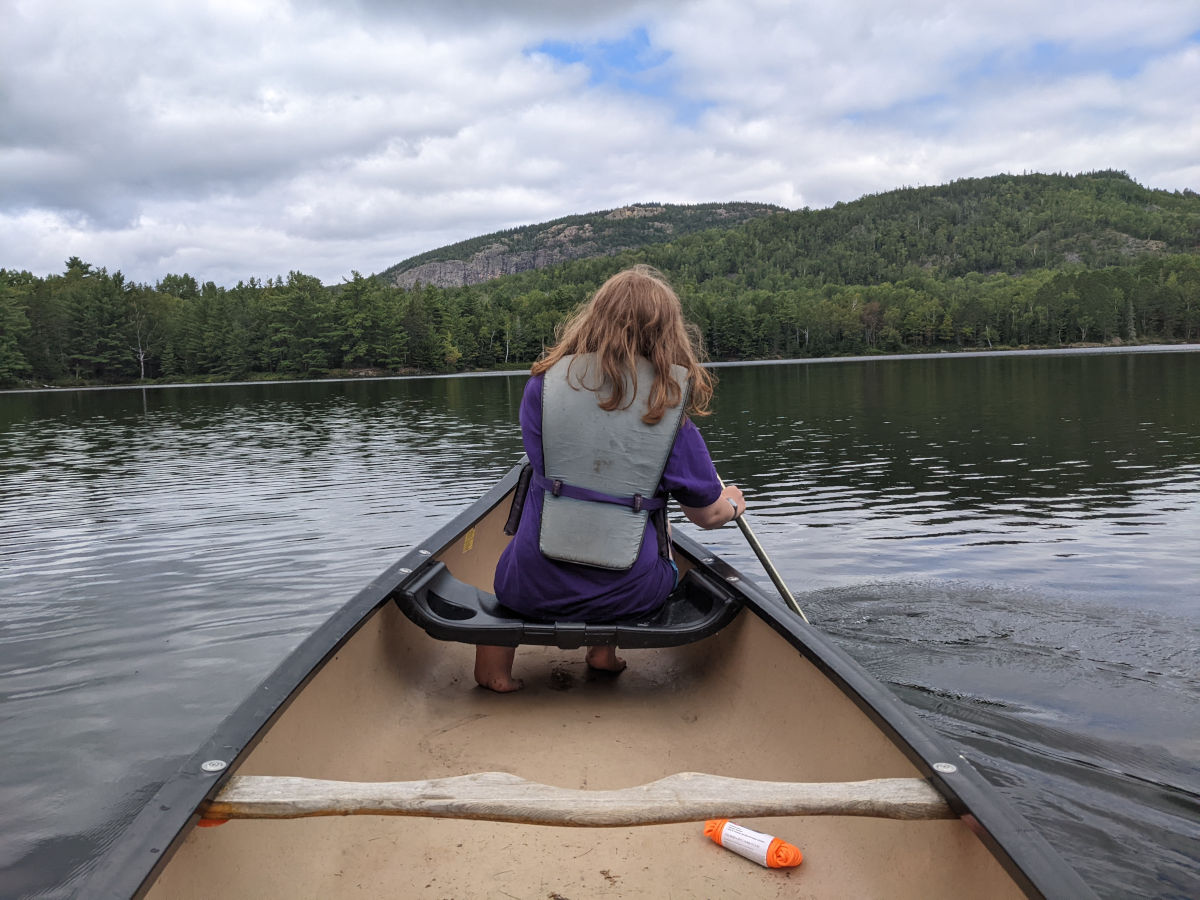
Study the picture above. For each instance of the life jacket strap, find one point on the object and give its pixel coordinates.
(518, 500)
(559, 488)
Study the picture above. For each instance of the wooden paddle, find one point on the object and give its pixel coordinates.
(501, 797)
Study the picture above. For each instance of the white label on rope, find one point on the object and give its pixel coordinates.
(744, 842)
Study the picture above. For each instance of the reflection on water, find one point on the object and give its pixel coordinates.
(1048, 471)
(1010, 542)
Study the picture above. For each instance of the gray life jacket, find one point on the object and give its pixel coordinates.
(603, 467)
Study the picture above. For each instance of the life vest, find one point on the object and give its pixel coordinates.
(602, 467)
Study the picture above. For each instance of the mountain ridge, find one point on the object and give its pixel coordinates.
(580, 236)
(996, 223)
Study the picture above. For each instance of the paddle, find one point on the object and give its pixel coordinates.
(772, 572)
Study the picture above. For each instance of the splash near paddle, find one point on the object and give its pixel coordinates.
(764, 849)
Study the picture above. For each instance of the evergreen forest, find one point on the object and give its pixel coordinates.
(1000, 262)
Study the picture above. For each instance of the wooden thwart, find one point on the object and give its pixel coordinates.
(500, 797)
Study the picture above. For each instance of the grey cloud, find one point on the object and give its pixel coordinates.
(335, 136)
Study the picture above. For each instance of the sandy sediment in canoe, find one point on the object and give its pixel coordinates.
(394, 705)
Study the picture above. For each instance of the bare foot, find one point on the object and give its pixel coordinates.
(500, 683)
(605, 659)
(493, 669)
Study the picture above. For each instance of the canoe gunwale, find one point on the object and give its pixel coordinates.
(145, 846)
(1017, 845)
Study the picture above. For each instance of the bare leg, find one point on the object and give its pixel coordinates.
(605, 659)
(493, 669)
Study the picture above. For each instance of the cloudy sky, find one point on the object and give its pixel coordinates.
(239, 138)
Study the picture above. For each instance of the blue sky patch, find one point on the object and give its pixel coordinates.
(1056, 59)
(986, 71)
(630, 64)
(1053, 58)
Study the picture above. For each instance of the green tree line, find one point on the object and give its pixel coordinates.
(989, 263)
(91, 326)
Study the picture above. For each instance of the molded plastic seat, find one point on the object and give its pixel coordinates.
(450, 610)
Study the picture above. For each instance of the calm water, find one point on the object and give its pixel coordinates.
(1012, 543)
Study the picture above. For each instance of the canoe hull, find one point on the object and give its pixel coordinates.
(722, 706)
(371, 697)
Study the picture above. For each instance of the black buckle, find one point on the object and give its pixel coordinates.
(637, 503)
(556, 487)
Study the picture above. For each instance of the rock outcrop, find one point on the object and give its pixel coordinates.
(487, 264)
(576, 237)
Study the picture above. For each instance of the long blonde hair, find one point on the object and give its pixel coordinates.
(636, 313)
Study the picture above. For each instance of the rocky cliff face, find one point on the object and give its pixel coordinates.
(494, 261)
(577, 237)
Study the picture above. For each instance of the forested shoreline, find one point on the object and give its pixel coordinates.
(1013, 261)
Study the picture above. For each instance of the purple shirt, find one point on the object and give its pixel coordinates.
(541, 588)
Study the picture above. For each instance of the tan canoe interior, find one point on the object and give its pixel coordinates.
(396, 705)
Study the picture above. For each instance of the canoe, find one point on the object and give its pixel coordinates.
(369, 764)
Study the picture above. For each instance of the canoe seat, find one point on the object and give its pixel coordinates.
(451, 610)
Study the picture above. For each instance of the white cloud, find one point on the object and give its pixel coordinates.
(234, 140)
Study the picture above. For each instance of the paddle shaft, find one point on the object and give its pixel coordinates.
(772, 572)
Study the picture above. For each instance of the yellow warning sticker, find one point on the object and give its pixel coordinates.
(469, 541)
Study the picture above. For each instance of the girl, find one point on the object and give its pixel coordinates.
(603, 424)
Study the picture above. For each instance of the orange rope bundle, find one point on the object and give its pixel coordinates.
(764, 849)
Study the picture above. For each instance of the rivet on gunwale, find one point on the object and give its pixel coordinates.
(404, 570)
(945, 768)
(731, 578)
(213, 765)
(425, 552)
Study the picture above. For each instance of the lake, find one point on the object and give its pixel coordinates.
(1010, 542)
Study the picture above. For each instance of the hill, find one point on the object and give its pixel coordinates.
(573, 237)
(1008, 260)
(1003, 223)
